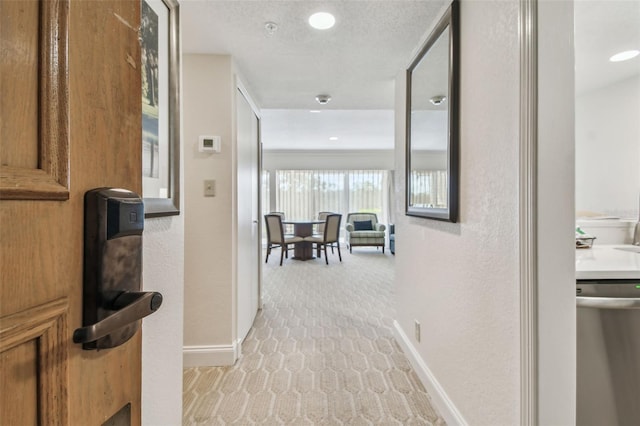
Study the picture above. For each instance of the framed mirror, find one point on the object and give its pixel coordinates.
(160, 107)
(432, 150)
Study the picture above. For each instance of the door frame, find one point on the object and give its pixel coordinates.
(547, 213)
(242, 88)
(527, 215)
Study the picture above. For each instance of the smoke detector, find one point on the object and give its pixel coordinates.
(437, 100)
(323, 99)
(270, 27)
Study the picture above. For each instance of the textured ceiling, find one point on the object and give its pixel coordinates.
(300, 129)
(357, 60)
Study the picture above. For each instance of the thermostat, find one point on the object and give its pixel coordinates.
(209, 144)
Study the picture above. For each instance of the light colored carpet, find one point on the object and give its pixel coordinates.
(321, 353)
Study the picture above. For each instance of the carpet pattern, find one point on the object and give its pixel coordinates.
(321, 352)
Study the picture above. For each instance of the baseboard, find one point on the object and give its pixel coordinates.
(439, 397)
(211, 355)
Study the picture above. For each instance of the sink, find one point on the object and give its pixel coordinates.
(633, 249)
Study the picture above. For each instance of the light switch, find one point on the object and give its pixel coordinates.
(210, 188)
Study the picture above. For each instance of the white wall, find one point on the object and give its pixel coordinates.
(163, 271)
(556, 215)
(428, 160)
(162, 332)
(328, 160)
(381, 159)
(208, 91)
(608, 149)
(460, 281)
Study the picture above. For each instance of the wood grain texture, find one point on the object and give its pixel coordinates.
(30, 324)
(17, 183)
(43, 327)
(19, 366)
(54, 90)
(48, 119)
(41, 241)
(19, 84)
(106, 128)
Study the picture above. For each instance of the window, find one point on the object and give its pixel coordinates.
(265, 193)
(301, 194)
(429, 188)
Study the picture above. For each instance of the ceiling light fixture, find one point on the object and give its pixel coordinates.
(315, 111)
(437, 100)
(271, 27)
(322, 20)
(624, 56)
(323, 99)
(333, 138)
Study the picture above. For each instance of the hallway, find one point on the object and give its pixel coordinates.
(321, 352)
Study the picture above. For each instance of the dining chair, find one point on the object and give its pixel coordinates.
(322, 216)
(287, 229)
(276, 238)
(320, 229)
(331, 236)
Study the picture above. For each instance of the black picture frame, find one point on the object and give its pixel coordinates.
(160, 65)
(449, 25)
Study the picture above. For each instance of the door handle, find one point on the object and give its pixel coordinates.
(130, 307)
(608, 302)
(113, 300)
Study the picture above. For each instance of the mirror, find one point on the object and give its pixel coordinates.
(432, 124)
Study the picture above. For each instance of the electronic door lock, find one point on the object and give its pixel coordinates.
(113, 303)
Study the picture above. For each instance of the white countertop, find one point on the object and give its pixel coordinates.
(607, 262)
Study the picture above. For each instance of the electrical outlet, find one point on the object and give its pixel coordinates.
(417, 330)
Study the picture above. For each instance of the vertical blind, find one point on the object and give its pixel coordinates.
(266, 193)
(429, 188)
(302, 194)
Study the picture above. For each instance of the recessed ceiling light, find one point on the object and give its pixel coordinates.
(333, 138)
(624, 56)
(315, 111)
(323, 99)
(322, 20)
(438, 100)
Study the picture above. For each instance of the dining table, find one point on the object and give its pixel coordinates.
(303, 250)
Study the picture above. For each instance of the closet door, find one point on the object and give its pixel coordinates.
(248, 256)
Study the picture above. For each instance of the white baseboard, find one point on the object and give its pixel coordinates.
(211, 355)
(439, 397)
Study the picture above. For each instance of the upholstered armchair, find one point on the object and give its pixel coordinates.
(363, 229)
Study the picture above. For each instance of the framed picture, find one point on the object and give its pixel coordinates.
(160, 107)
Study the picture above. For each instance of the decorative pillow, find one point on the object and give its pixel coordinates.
(364, 225)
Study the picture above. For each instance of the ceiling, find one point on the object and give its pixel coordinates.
(300, 129)
(602, 29)
(357, 60)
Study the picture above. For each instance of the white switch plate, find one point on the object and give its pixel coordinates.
(210, 188)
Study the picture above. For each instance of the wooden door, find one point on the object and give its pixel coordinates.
(248, 216)
(70, 113)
